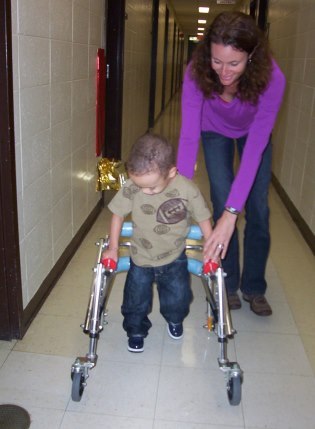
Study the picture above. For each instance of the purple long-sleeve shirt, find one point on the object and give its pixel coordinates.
(234, 119)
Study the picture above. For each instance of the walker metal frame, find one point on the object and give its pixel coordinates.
(218, 315)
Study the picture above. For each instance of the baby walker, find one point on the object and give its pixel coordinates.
(218, 314)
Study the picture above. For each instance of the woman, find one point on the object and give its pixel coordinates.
(232, 92)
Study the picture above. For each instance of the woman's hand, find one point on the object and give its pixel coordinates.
(218, 241)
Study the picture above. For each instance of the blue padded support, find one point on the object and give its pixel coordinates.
(123, 264)
(194, 265)
(193, 234)
(126, 230)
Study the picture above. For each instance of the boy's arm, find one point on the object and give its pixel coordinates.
(115, 228)
(206, 228)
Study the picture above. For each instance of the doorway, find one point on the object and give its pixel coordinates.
(114, 78)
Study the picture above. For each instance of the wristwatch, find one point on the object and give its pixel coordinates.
(232, 210)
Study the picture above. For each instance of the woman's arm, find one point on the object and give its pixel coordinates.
(221, 235)
(257, 139)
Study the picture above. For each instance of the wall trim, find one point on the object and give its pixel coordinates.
(48, 284)
(304, 229)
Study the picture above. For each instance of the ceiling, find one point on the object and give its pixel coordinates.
(187, 14)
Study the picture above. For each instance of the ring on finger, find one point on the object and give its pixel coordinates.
(220, 246)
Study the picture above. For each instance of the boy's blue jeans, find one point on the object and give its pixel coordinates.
(173, 285)
(219, 159)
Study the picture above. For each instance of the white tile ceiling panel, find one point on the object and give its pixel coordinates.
(187, 12)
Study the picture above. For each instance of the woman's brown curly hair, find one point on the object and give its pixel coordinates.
(240, 31)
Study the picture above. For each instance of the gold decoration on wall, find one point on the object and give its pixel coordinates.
(111, 175)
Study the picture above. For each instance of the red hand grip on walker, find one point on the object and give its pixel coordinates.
(210, 267)
(109, 264)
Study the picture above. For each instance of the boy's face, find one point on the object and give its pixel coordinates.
(153, 182)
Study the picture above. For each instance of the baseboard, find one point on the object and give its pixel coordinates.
(305, 230)
(48, 284)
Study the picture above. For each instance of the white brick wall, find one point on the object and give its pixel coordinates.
(292, 33)
(54, 54)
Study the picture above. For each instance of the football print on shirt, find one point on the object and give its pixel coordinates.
(172, 211)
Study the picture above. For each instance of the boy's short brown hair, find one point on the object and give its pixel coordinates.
(151, 152)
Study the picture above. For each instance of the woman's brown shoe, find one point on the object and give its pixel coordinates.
(234, 301)
(258, 304)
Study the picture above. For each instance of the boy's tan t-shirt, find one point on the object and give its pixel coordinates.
(160, 221)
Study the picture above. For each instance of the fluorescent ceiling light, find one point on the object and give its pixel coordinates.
(200, 29)
(203, 10)
(202, 21)
(200, 34)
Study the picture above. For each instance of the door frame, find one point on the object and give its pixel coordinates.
(11, 302)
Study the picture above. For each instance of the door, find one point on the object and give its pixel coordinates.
(114, 82)
(155, 25)
(165, 57)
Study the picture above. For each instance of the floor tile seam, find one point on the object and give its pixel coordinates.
(210, 366)
(65, 316)
(3, 363)
(296, 308)
(99, 413)
(277, 372)
(141, 363)
(27, 405)
(288, 335)
(307, 334)
(268, 332)
(300, 325)
(206, 368)
(275, 333)
(158, 384)
(28, 352)
(69, 316)
(185, 421)
(170, 366)
(63, 410)
(280, 276)
(63, 416)
(271, 300)
(206, 423)
(202, 425)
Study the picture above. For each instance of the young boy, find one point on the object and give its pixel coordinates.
(161, 203)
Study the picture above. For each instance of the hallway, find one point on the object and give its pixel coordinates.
(173, 384)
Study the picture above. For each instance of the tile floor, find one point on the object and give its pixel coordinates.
(173, 384)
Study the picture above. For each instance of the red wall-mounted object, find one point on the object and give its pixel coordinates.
(100, 100)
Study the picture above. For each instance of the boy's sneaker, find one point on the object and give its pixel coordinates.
(175, 330)
(135, 344)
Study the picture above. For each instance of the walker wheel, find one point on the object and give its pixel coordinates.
(234, 389)
(77, 386)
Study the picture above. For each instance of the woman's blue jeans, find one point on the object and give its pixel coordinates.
(219, 159)
(173, 285)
